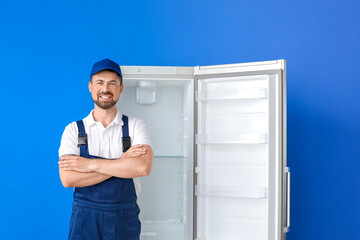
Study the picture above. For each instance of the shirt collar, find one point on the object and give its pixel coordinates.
(117, 120)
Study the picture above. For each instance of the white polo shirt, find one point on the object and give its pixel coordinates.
(105, 142)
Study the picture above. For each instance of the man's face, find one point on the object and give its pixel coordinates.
(105, 89)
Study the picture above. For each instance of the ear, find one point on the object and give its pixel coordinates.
(90, 86)
(121, 88)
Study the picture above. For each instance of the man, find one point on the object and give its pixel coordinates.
(102, 156)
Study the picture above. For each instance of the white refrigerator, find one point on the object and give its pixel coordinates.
(219, 140)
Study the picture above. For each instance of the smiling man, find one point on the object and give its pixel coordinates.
(102, 157)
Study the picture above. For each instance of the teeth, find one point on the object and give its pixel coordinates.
(106, 97)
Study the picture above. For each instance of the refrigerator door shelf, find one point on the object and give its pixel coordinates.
(234, 192)
(241, 138)
(226, 80)
(232, 94)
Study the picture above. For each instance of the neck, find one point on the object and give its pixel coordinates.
(105, 116)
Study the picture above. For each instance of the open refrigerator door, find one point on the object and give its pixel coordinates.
(241, 188)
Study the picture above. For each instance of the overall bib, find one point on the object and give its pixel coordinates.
(107, 210)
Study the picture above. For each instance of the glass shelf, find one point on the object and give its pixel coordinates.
(226, 191)
(242, 138)
(232, 94)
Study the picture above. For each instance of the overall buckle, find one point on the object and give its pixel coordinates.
(126, 143)
(82, 140)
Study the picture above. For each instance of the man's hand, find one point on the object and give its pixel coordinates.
(75, 163)
(135, 151)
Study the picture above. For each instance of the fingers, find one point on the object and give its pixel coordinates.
(66, 165)
(69, 164)
(135, 152)
(138, 150)
(68, 157)
(70, 167)
(74, 163)
(136, 146)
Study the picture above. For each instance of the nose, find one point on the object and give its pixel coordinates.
(106, 87)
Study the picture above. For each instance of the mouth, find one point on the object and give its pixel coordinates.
(105, 97)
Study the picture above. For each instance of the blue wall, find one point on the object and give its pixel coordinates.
(47, 49)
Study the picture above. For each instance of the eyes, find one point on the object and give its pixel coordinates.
(111, 83)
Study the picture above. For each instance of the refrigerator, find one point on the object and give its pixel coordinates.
(219, 140)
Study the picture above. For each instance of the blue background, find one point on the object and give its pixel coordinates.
(48, 47)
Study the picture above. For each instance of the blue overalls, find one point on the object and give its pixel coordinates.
(107, 210)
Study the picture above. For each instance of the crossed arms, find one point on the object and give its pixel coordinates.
(76, 171)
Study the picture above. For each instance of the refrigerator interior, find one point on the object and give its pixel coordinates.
(237, 168)
(165, 102)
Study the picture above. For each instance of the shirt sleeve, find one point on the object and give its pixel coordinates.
(69, 141)
(140, 133)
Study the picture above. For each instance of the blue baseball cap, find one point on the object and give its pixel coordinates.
(105, 64)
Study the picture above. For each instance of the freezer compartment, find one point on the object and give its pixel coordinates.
(166, 197)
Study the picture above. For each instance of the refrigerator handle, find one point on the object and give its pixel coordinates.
(287, 222)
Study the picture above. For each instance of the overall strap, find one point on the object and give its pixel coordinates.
(126, 140)
(82, 139)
